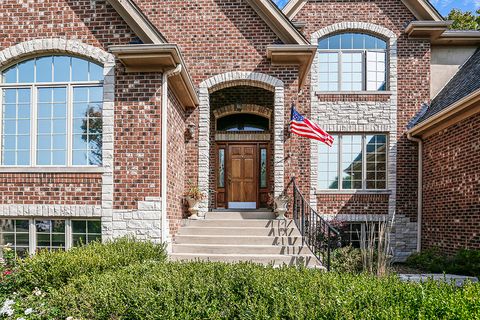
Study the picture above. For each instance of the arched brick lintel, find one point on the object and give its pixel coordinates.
(354, 26)
(54, 45)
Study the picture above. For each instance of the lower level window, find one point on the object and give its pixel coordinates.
(84, 232)
(16, 234)
(29, 235)
(358, 234)
(354, 162)
(50, 234)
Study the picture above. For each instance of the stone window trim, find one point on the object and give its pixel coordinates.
(392, 39)
(239, 78)
(35, 47)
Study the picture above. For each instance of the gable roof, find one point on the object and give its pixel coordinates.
(465, 82)
(137, 21)
(422, 9)
(278, 22)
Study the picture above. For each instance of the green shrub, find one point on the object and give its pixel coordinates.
(347, 259)
(54, 269)
(464, 262)
(247, 291)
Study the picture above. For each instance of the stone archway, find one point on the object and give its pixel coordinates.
(231, 79)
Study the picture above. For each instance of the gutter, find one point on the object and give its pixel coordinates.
(419, 189)
(164, 145)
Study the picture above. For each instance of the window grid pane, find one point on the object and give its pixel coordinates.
(85, 231)
(52, 126)
(376, 71)
(16, 127)
(353, 163)
(376, 157)
(352, 75)
(328, 165)
(352, 158)
(87, 126)
(50, 234)
(328, 76)
(15, 233)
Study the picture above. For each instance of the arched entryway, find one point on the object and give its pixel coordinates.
(241, 133)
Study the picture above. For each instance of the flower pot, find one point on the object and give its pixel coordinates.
(281, 204)
(193, 208)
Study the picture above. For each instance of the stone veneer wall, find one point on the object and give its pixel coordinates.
(363, 113)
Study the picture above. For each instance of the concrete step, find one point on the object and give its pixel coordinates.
(238, 240)
(237, 223)
(276, 260)
(239, 215)
(245, 231)
(239, 249)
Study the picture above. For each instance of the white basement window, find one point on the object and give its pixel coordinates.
(29, 235)
(51, 113)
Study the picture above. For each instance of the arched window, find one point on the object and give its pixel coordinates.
(352, 62)
(51, 112)
(242, 122)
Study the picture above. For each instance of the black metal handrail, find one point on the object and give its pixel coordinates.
(317, 233)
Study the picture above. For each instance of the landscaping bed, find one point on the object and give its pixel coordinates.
(133, 280)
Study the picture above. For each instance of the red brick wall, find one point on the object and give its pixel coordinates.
(413, 74)
(51, 188)
(353, 203)
(137, 147)
(93, 22)
(451, 187)
(222, 36)
(176, 163)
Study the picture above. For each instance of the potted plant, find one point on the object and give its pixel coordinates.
(280, 205)
(193, 197)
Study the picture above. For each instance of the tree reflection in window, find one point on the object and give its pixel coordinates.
(242, 122)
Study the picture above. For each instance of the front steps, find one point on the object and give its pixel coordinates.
(234, 236)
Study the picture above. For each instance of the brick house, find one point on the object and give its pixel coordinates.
(112, 108)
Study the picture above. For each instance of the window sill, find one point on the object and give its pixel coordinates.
(333, 192)
(51, 169)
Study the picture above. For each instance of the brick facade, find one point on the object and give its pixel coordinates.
(224, 46)
(451, 188)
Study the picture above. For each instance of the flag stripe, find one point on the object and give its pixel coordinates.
(303, 127)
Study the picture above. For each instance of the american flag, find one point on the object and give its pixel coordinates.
(305, 128)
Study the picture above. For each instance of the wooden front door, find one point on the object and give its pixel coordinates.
(242, 176)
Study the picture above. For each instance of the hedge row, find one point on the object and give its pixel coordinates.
(132, 280)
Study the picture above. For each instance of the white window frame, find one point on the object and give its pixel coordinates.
(32, 231)
(339, 141)
(339, 52)
(34, 86)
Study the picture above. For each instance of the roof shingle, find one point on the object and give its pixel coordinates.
(463, 83)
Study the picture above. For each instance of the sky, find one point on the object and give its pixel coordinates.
(444, 6)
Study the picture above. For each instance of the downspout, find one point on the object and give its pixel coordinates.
(420, 189)
(164, 146)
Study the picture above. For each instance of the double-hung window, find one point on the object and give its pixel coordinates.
(354, 162)
(352, 62)
(51, 112)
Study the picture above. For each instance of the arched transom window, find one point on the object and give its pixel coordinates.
(352, 62)
(51, 112)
